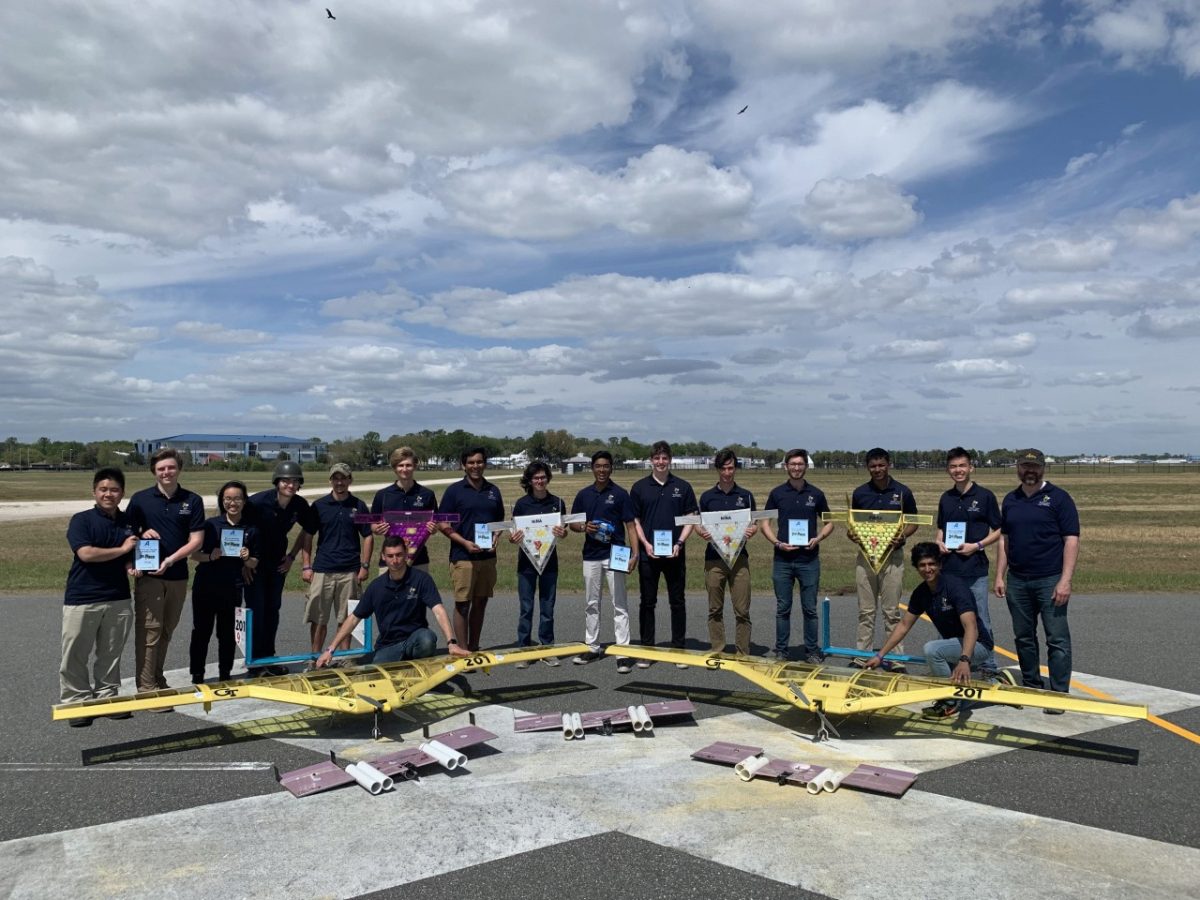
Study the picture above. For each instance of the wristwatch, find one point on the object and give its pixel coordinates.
(452, 641)
(964, 658)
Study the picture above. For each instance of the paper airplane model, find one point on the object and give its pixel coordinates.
(573, 725)
(750, 763)
(727, 529)
(414, 525)
(537, 533)
(379, 775)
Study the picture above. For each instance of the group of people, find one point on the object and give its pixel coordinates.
(244, 552)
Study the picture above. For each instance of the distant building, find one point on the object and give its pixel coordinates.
(206, 448)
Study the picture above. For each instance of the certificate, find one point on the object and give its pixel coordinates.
(618, 558)
(231, 541)
(483, 536)
(956, 535)
(798, 532)
(664, 542)
(146, 558)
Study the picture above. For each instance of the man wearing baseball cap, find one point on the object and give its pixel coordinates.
(343, 557)
(1039, 544)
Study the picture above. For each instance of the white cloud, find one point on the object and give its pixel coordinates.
(869, 207)
(911, 349)
(1033, 253)
(383, 304)
(996, 372)
(666, 192)
(1021, 344)
(1166, 326)
(215, 333)
(1099, 379)
(1174, 226)
(1144, 32)
(1076, 163)
(966, 260)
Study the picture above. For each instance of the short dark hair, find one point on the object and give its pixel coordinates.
(660, 447)
(957, 453)
(471, 451)
(792, 454)
(109, 473)
(532, 469)
(166, 453)
(227, 486)
(723, 457)
(395, 540)
(602, 454)
(879, 453)
(925, 550)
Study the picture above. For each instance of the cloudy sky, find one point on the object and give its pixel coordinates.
(934, 222)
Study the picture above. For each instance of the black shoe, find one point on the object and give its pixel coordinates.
(584, 658)
(624, 665)
(277, 670)
(121, 715)
(197, 679)
(1053, 712)
(79, 723)
(942, 709)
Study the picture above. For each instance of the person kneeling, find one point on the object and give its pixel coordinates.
(966, 643)
(399, 600)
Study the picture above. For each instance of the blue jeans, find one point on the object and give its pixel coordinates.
(808, 573)
(418, 645)
(546, 586)
(942, 655)
(1029, 598)
(979, 590)
(264, 596)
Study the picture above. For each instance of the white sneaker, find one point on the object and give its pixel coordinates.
(645, 663)
(550, 660)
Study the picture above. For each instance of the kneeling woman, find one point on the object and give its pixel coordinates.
(229, 546)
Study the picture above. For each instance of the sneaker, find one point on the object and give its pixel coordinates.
(682, 666)
(942, 709)
(624, 665)
(197, 679)
(644, 663)
(79, 723)
(121, 715)
(1004, 676)
(773, 655)
(277, 670)
(815, 659)
(859, 662)
(523, 664)
(1053, 712)
(163, 709)
(896, 668)
(584, 658)
(551, 661)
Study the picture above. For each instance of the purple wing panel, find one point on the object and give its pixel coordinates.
(544, 722)
(671, 708)
(596, 719)
(323, 776)
(877, 780)
(402, 762)
(461, 738)
(793, 772)
(724, 752)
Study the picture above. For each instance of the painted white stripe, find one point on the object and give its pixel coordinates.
(136, 767)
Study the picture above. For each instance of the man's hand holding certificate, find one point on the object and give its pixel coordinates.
(620, 558)
(146, 558)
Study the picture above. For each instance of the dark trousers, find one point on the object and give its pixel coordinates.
(264, 596)
(675, 572)
(209, 609)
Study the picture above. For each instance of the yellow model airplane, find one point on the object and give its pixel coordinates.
(820, 689)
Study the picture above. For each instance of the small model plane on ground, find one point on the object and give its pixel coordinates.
(378, 775)
(573, 725)
(750, 763)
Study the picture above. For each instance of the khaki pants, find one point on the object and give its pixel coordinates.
(716, 578)
(157, 605)
(879, 592)
(103, 627)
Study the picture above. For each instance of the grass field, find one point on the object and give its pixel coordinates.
(1140, 531)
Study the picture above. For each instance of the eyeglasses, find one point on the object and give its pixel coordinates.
(238, 500)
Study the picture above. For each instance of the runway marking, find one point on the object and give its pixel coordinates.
(177, 767)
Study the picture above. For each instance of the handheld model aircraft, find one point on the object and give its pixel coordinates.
(750, 763)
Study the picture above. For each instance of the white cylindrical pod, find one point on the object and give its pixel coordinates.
(568, 728)
(371, 785)
(447, 757)
(385, 781)
(747, 767)
(577, 725)
(832, 781)
(647, 722)
(634, 719)
(815, 786)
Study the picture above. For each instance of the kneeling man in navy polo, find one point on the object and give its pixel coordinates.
(399, 601)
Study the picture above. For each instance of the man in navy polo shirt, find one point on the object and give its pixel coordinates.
(657, 500)
(968, 520)
(800, 502)
(965, 643)
(399, 600)
(97, 610)
(1039, 546)
(472, 555)
(727, 496)
(879, 592)
(342, 560)
(274, 512)
(405, 493)
(174, 516)
(609, 514)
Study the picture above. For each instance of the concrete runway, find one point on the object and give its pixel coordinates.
(1009, 803)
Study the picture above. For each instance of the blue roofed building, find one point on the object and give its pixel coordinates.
(206, 448)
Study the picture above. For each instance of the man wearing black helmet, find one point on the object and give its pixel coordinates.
(274, 512)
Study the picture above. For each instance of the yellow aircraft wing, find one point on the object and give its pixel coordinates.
(844, 691)
(373, 688)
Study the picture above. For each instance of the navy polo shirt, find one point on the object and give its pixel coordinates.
(174, 518)
(416, 497)
(1036, 527)
(530, 506)
(945, 607)
(97, 582)
(808, 503)
(612, 505)
(656, 505)
(338, 546)
(977, 506)
(399, 607)
(274, 522)
(474, 507)
(716, 500)
(224, 573)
